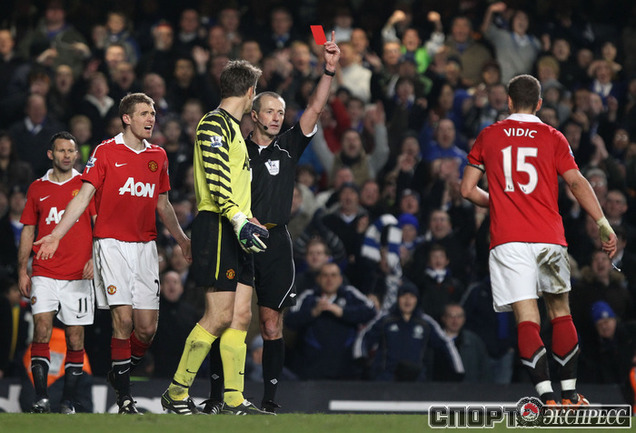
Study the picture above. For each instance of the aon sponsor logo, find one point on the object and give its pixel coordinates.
(137, 189)
(54, 216)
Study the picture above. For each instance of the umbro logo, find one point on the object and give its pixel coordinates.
(44, 198)
(117, 164)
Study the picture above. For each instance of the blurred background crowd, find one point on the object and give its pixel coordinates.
(378, 188)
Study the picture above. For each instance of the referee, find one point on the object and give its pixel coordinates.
(273, 159)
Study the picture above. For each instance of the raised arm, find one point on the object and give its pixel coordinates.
(319, 97)
(49, 243)
(492, 9)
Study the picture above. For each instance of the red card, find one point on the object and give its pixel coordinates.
(319, 34)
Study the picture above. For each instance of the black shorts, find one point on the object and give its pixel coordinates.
(274, 271)
(217, 258)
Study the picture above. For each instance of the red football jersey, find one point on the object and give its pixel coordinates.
(128, 184)
(46, 202)
(522, 158)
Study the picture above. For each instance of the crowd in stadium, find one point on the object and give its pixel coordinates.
(377, 189)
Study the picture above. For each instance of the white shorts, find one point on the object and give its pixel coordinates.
(520, 271)
(72, 300)
(126, 273)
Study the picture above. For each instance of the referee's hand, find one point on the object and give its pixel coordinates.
(249, 233)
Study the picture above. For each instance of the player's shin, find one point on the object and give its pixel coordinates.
(233, 352)
(534, 358)
(273, 360)
(119, 375)
(565, 350)
(137, 350)
(72, 373)
(40, 361)
(216, 372)
(196, 349)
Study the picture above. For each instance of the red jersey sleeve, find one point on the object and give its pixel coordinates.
(475, 156)
(95, 170)
(564, 158)
(164, 179)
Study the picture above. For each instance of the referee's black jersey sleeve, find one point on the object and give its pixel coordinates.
(274, 173)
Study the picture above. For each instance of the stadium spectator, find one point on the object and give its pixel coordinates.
(97, 105)
(31, 134)
(55, 41)
(327, 319)
(176, 319)
(496, 329)
(189, 32)
(471, 348)
(399, 344)
(12, 170)
(163, 55)
(14, 334)
(609, 354)
(437, 286)
(281, 32)
(472, 54)
(10, 231)
(515, 49)
(118, 30)
(352, 75)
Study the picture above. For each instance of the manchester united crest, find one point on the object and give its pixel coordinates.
(75, 192)
(111, 289)
(230, 274)
(33, 300)
(153, 166)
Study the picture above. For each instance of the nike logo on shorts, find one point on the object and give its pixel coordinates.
(124, 372)
(80, 316)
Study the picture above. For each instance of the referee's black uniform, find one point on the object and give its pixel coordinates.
(273, 176)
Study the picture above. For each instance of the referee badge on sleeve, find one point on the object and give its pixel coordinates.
(273, 167)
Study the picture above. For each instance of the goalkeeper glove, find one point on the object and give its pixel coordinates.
(248, 234)
(605, 229)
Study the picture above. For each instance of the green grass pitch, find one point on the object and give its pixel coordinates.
(285, 423)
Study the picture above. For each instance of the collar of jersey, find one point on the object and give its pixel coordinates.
(46, 178)
(522, 117)
(119, 139)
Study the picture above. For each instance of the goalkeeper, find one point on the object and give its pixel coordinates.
(224, 235)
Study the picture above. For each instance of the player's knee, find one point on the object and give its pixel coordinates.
(75, 342)
(123, 324)
(224, 319)
(42, 332)
(243, 317)
(271, 330)
(145, 333)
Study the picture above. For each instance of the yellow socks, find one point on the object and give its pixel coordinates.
(197, 346)
(233, 352)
